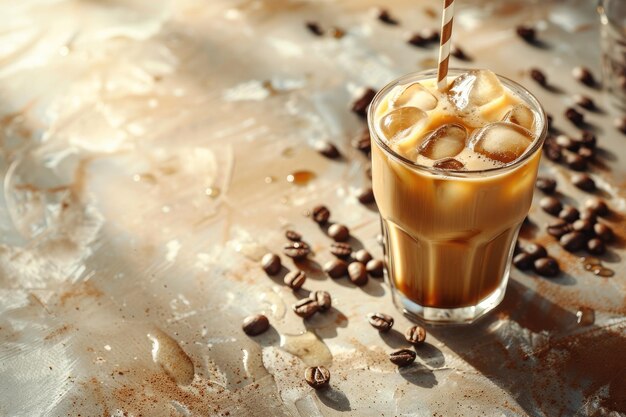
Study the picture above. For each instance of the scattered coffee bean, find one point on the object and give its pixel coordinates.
(402, 357)
(271, 263)
(566, 142)
(598, 206)
(586, 153)
(357, 273)
(620, 124)
(583, 226)
(535, 250)
(416, 39)
(363, 142)
(538, 75)
(362, 256)
(336, 268)
(384, 16)
(339, 232)
(327, 149)
(305, 308)
(583, 75)
(323, 299)
(584, 182)
(341, 249)
(255, 324)
(551, 205)
(293, 235)
(545, 184)
(547, 267)
(366, 195)
(573, 241)
(431, 35)
(604, 232)
(588, 214)
(575, 162)
(314, 28)
(569, 214)
(380, 321)
(297, 250)
(584, 101)
(588, 139)
(363, 100)
(596, 246)
(375, 268)
(321, 214)
(527, 33)
(559, 228)
(552, 150)
(317, 376)
(415, 335)
(523, 261)
(295, 279)
(458, 53)
(574, 116)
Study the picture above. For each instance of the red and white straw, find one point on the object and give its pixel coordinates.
(447, 19)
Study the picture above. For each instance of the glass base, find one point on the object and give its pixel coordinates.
(462, 315)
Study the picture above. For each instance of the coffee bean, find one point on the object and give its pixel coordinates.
(573, 241)
(305, 308)
(588, 214)
(340, 249)
(366, 195)
(368, 171)
(415, 335)
(620, 124)
(362, 101)
(458, 53)
(583, 226)
(588, 139)
(362, 256)
(551, 205)
(566, 142)
(363, 142)
(375, 268)
(384, 16)
(338, 232)
(547, 267)
(323, 300)
(380, 321)
(314, 28)
(535, 250)
(327, 149)
(538, 75)
(584, 182)
(596, 246)
(255, 324)
(569, 214)
(604, 232)
(336, 268)
(402, 357)
(523, 261)
(297, 250)
(416, 39)
(552, 150)
(583, 75)
(431, 35)
(293, 235)
(598, 206)
(584, 101)
(271, 264)
(295, 279)
(321, 214)
(357, 273)
(559, 228)
(586, 153)
(527, 33)
(317, 376)
(574, 116)
(545, 184)
(575, 162)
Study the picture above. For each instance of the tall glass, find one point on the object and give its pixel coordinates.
(613, 30)
(449, 235)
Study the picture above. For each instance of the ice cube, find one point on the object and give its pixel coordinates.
(521, 115)
(449, 163)
(415, 95)
(501, 141)
(398, 123)
(445, 142)
(475, 88)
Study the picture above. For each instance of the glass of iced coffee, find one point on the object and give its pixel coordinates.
(453, 175)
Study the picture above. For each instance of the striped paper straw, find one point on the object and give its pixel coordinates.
(444, 47)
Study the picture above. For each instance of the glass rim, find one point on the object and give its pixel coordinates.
(527, 96)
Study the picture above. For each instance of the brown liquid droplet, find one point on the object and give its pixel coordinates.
(604, 272)
(212, 192)
(595, 265)
(171, 357)
(585, 316)
(308, 347)
(300, 177)
(145, 177)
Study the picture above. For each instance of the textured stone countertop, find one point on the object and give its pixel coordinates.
(145, 148)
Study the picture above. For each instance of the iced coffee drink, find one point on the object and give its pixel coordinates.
(453, 175)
